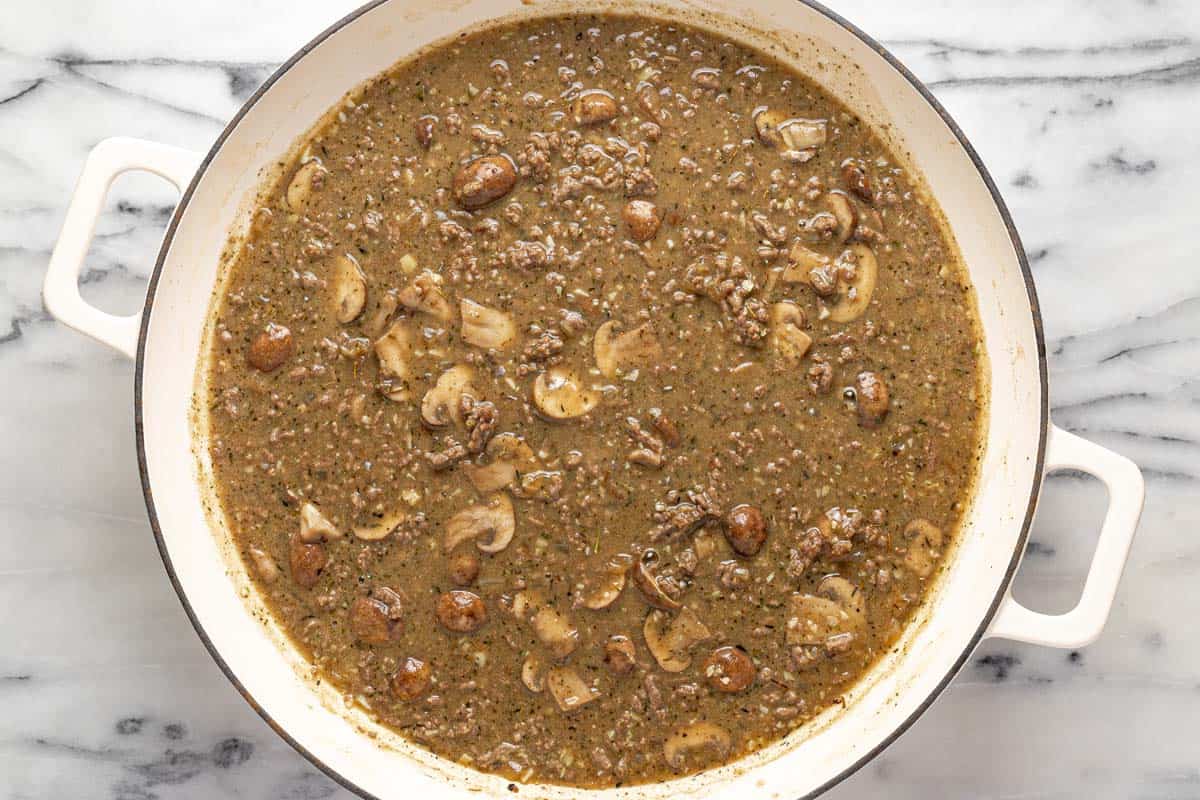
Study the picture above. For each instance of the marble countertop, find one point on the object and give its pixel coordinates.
(1085, 112)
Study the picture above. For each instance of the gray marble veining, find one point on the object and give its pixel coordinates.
(1084, 111)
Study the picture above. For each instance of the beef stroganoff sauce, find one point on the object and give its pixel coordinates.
(593, 399)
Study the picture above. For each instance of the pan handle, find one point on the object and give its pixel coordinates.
(1126, 491)
(60, 292)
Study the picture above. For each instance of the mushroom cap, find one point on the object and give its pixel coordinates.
(601, 588)
(568, 689)
(616, 350)
(394, 350)
(494, 518)
(349, 288)
(671, 639)
(695, 737)
(857, 296)
(559, 394)
(555, 631)
(440, 405)
(486, 327)
(315, 526)
(646, 580)
(425, 294)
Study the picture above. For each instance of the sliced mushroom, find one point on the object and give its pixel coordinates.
(568, 689)
(617, 351)
(846, 595)
(787, 335)
(602, 588)
(264, 565)
(620, 654)
(671, 639)
(924, 546)
(796, 139)
(486, 327)
(349, 288)
(802, 136)
(857, 296)
(844, 212)
(555, 631)
(490, 524)
(315, 526)
(380, 527)
(828, 619)
(699, 737)
(307, 177)
(394, 349)
(872, 398)
(510, 457)
(558, 394)
(425, 294)
(442, 404)
(645, 578)
(813, 619)
(375, 324)
(533, 673)
(801, 262)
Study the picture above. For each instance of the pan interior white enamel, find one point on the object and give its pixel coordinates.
(222, 598)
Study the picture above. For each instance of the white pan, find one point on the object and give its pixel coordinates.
(971, 601)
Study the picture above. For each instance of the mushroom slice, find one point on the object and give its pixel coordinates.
(308, 176)
(602, 588)
(845, 213)
(836, 610)
(846, 595)
(380, 528)
(857, 296)
(555, 631)
(394, 349)
(533, 673)
(787, 337)
(801, 262)
(558, 394)
(646, 579)
(694, 738)
(802, 136)
(796, 139)
(510, 456)
(924, 546)
(486, 327)
(616, 351)
(349, 288)
(441, 404)
(315, 526)
(812, 619)
(492, 519)
(568, 689)
(264, 565)
(425, 294)
(671, 639)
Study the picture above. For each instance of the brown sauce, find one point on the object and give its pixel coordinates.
(593, 400)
